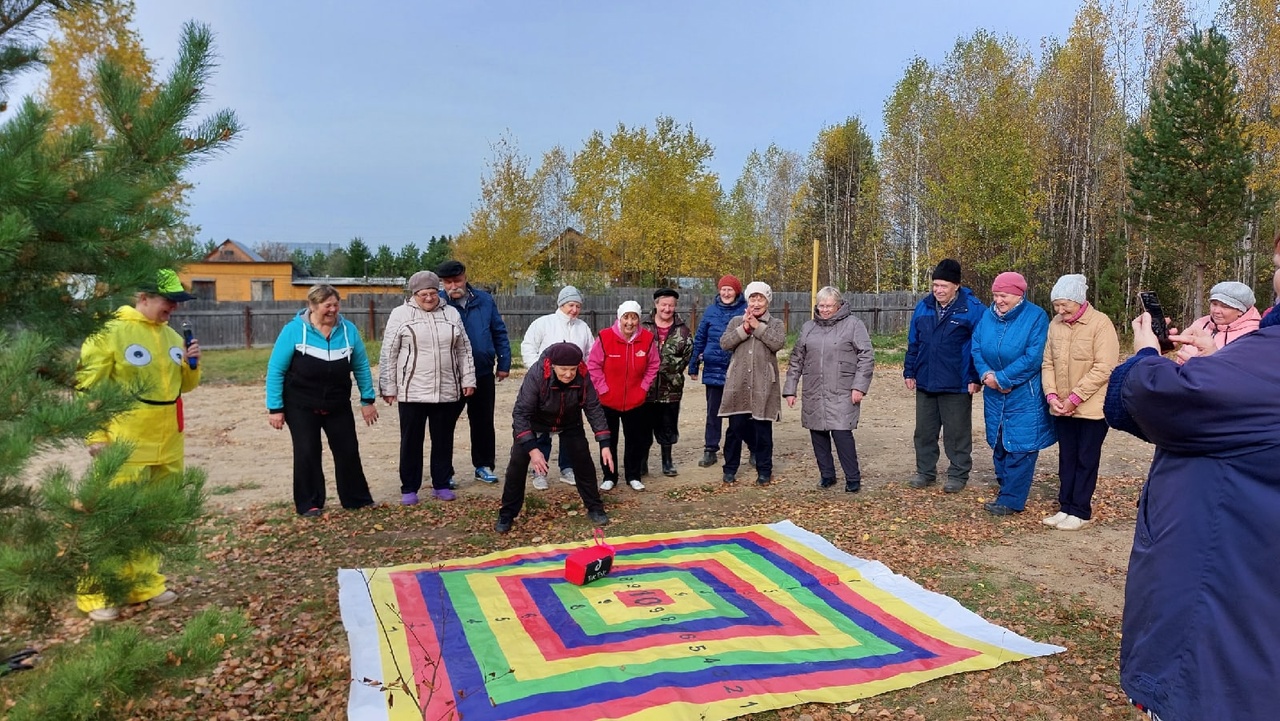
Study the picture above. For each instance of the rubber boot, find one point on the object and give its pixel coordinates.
(668, 465)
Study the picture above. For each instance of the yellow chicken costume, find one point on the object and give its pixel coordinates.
(135, 351)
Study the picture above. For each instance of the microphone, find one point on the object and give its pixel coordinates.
(189, 335)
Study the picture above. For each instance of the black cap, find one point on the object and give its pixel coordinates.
(665, 293)
(451, 269)
(948, 270)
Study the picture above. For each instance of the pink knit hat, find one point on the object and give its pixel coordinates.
(1009, 282)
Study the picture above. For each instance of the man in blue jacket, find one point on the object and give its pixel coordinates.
(939, 368)
(489, 345)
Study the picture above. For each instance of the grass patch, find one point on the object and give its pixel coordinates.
(248, 366)
(891, 348)
(228, 490)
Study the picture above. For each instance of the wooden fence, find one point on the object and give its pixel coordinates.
(257, 323)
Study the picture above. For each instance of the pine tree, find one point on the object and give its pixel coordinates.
(1190, 167)
(438, 251)
(359, 258)
(76, 215)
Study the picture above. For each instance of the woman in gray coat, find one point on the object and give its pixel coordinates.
(834, 359)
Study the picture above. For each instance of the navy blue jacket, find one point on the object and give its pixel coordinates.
(706, 342)
(1201, 629)
(485, 330)
(938, 355)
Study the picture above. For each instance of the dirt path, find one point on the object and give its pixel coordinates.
(249, 464)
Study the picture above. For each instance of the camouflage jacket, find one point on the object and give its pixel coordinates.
(674, 356)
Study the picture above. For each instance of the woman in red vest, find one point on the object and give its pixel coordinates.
(622, 365)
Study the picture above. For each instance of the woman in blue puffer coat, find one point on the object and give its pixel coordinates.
(1008, 350)
(707, 351)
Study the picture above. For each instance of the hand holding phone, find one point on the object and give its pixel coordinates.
(1151, 304)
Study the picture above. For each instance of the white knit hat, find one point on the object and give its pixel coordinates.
(756, 286)
(1070, 287)
(628, 306)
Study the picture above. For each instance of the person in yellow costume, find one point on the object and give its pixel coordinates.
(137, 348)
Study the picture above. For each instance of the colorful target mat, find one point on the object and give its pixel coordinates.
(693, 625)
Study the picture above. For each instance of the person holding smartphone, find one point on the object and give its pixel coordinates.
(1199, 632)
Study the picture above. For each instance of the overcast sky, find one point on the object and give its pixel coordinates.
(376, 120)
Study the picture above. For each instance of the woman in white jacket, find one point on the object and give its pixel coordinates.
(426, 364)
(544, 332)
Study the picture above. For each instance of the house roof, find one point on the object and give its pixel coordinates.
(229, 244)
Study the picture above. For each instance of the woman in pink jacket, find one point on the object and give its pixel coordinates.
(1231, 317)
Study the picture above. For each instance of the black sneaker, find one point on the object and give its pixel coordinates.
(730, 478)
(708, 459)
(826, 482)
(598, 517)
(503, 525)
(762, 479)
(953, 486)
(852, 486)
(312, 513)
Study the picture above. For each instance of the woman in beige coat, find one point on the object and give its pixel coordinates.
(426, 364)
(751, 399)
(834, 358)
(1081, 351)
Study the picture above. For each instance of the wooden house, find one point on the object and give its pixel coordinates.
(233, 272)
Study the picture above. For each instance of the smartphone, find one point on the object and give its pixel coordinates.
(1151, 304)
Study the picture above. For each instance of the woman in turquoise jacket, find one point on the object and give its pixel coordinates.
(309, 390)
(1008, 350)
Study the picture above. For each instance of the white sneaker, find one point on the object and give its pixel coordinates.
(1071, 523)
(636, 485)
(165, 599)
(104, 615)
(566, 476)
(606, 486)
(1055, 519)
(540, 483)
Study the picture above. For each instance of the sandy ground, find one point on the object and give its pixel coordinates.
(249, 464)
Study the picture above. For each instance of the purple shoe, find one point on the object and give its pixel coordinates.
(408, 499)
(443, 494)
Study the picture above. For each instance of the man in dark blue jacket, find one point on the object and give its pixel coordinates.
(1201, 628)
(489, 345)
(939, 368)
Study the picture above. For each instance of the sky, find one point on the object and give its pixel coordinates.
(377, 120)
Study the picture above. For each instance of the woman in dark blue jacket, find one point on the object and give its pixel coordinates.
(1008, 352)
(1201, 629)
(715, 360)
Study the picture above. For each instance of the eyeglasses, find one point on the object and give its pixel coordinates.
(828, 306)
(424, 294)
